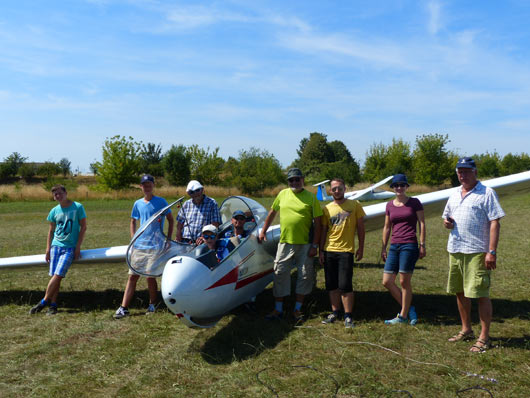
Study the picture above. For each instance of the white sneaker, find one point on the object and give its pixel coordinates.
(121, 313)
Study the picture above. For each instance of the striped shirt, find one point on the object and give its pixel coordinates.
(194, 217)
(472, 215)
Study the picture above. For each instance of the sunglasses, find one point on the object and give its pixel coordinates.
(400, 185)
(294, 179)
(208, 236)
(239, 218)
(194, 191)
(335, 189)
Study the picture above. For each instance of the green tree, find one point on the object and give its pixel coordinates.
(432, 163)
(64, 165)
(94, 167)
(176, 165)
(256, 170)
(375, 164)
(488, 164)
(27, 171)
(151, 159)
(512, 164)
(48, 170)
(119, 166)
(205, 167)
(13, 162)
(316, 151)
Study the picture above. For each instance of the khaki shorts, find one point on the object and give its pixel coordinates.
(289, 256)
(468, 274)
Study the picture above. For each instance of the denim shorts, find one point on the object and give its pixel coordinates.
(402, 258)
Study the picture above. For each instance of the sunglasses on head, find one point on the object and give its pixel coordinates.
(294, 179)
(194, 191)
(208, 236)
(401, 185)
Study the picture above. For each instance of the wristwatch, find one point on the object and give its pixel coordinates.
(493, 252)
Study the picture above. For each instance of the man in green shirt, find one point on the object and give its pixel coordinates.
(299, 208)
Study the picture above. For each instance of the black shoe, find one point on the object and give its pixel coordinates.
(37, 308)
(52, 310)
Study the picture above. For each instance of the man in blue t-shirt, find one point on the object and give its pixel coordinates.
(142, 210)
(66, 233)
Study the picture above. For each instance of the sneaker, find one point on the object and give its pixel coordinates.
(274, 316)
(413, 316)
(331, 318)
(150, 309)
(52, 310)
(37, 308)
(121, 313)
(348, 322)
(396, 320)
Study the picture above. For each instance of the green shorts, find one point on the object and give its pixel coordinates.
(468, 274)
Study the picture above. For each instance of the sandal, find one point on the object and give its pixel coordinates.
(481, 346)
(462, 336)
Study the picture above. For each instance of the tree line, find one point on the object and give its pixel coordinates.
(428, 161)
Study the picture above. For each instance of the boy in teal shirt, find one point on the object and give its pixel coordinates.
(66, 233)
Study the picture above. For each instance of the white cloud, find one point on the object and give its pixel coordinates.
(434, 24)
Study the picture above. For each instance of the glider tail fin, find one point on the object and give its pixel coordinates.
(322, 194)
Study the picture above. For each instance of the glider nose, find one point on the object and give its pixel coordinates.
(182, 281)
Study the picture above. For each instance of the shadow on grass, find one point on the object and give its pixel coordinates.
(380, 266)
(247, 334)
(77, 301)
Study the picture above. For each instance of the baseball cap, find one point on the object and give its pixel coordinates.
(238, 213)
(210, 228)
(193, 185)
(147, 177)
(466, 163)
(294, 172)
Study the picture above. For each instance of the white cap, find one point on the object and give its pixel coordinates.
(210, 228)
(193, 185)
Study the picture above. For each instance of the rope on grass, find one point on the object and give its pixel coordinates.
(474, 388)
(492, 380)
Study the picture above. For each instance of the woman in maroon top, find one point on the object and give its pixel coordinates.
(402, 215)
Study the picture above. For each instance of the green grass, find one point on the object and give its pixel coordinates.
(83, 352)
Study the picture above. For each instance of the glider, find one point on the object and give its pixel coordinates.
(200, 290)
(370, 193)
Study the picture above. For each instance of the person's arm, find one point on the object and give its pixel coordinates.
(266, 225)
(170, 225)
(361, 232)
(423, 233)
(317, 224)
(80, 237)
(495, 228)
(386, 235)
(323, 235)
(178, 235)
(49, 240)
(132, 227)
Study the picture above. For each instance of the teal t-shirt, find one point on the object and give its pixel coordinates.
(66, 224)
(297, 211)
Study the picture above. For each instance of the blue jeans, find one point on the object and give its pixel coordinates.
(402, 258)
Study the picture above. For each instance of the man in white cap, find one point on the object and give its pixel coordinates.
(197, 212)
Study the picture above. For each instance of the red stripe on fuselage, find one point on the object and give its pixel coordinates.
(253, 278)
(231, 277)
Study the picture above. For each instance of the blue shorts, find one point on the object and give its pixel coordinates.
(60, 260)
(402, 258)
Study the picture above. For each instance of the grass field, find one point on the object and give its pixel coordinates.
(83, 352)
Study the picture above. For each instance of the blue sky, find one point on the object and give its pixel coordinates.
(235, 74)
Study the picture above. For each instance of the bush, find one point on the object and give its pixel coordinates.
(176, 165)
(119, 166)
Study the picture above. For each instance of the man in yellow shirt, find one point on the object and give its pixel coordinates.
(298, 209)
(341, 219)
